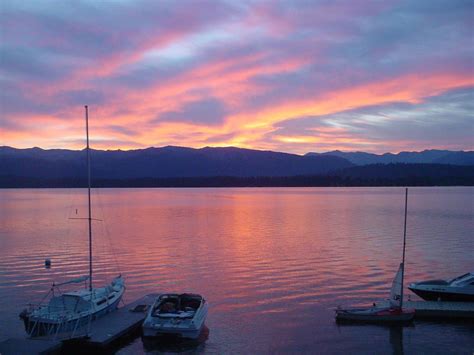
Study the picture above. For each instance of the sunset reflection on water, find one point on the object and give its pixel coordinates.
(272, 262)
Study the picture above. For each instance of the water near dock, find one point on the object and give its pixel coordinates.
(273, 263)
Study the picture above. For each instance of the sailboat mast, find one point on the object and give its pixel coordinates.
(89, 197)
(404, 245)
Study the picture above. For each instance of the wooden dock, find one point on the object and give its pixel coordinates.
(438, 309)
(115, 325)
(103, 332)
(15, 346)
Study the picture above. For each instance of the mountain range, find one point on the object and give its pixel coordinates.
(163, 162)
(433, 156)
(179, 166)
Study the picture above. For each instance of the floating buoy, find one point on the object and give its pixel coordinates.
(47, 263)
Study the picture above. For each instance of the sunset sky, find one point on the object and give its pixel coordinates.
(292, 76)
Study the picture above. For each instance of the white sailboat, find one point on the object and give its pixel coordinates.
(69, 312)
(395, 312)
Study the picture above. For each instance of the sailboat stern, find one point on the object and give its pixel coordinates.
(25, 317)
(38, 326)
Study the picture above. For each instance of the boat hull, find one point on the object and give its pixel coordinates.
(188, 327)
(441, 295)
(372, 315)
(186, 333)
(36, 327)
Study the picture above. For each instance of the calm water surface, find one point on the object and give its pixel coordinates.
(273, 263)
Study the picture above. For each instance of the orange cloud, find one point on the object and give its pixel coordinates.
(230, 81)
(410, 88)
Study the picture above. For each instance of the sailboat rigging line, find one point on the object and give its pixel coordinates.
(404, 245)
(89, 197)
(107, 232)
(62, 243)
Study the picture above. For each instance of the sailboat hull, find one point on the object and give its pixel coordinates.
(37, 326)
(374, 315)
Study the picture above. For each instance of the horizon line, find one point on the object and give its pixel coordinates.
(235, 147)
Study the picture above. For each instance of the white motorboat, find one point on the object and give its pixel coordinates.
(459, 289)
(67, 313)
(181, 315)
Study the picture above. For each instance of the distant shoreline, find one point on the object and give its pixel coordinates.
(227, 181)
(176, 167)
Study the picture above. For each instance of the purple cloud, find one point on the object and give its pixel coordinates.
(205, 112)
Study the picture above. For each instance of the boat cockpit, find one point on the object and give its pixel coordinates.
(177, 305)
(463, 280)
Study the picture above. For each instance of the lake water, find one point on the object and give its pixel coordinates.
(272, 262)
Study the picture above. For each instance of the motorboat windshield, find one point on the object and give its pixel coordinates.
(463, 280)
